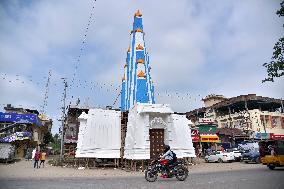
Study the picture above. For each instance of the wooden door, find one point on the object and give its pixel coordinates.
(156, 142)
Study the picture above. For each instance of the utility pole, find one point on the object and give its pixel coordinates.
(63, 120)
(282, 108)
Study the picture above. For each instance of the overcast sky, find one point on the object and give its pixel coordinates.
(196, 48)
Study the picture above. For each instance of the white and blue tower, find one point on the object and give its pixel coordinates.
(137, 85)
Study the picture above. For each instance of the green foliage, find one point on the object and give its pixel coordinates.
(275, 68)
(47, 138)
(56, 143)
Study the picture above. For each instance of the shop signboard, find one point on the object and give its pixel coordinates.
(207, 128)
(277, 137)
(209, 138)
(262, 136)
(205, 120)
(23, 135)
(20, 118)
(16, 137)
(195, 135)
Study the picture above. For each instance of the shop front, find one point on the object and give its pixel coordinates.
(24, 125)
(230, 137)
(208, 138)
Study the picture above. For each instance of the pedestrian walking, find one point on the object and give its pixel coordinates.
(33, 153)
(199, 152)
(33, 156)
(42, 158)
(36, 159)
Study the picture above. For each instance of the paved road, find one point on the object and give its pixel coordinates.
(256, 178)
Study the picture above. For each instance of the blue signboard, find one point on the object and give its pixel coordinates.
(20, 118)
(17, 136)
(262, 136)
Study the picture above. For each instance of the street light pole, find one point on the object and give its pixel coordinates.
(63, 120)
(282, 108)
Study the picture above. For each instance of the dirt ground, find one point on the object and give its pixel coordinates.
(24, 169)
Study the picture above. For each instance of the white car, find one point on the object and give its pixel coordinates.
(219, 157)
(236, 153)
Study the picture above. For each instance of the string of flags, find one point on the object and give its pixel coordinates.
(83, 44)
(76, 83)
(95, 86)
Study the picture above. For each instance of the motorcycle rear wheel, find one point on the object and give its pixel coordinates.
(181, 173)
(150, 177)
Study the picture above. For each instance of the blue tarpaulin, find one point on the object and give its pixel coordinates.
(20, 118)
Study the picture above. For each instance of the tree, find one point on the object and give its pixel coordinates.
(56, 143)
(47, 138)
(276, 66)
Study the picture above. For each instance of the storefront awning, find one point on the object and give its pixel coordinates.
(209, 138)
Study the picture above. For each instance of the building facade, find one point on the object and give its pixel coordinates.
(24, 128)
(243, 117)
(71, 128)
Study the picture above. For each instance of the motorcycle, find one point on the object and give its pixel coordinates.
(177, 169)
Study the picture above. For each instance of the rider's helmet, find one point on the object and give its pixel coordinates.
(166, 148)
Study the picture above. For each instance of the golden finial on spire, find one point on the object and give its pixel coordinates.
(128, 50)
(123, 78)
(141, 74)
(139, 47)
(140, 61)
(138, 13)
(138, 30)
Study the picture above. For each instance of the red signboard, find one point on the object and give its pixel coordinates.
(195, 135)
(277, 137)
(195, 138)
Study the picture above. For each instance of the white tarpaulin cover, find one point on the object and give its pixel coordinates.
(99, 134)
(143, 117)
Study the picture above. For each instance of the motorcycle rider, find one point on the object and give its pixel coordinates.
(168, 155)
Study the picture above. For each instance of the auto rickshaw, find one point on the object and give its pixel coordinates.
(272, 153)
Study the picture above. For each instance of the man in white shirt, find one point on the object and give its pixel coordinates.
(168, 155)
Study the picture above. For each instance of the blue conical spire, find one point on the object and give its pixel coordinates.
(137, 85)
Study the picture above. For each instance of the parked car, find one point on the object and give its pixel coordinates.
(251, 156)
(236, 153)
(220, 157)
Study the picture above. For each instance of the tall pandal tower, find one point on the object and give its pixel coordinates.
(137, 85)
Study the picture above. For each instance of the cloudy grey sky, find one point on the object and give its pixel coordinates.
(196, 48)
